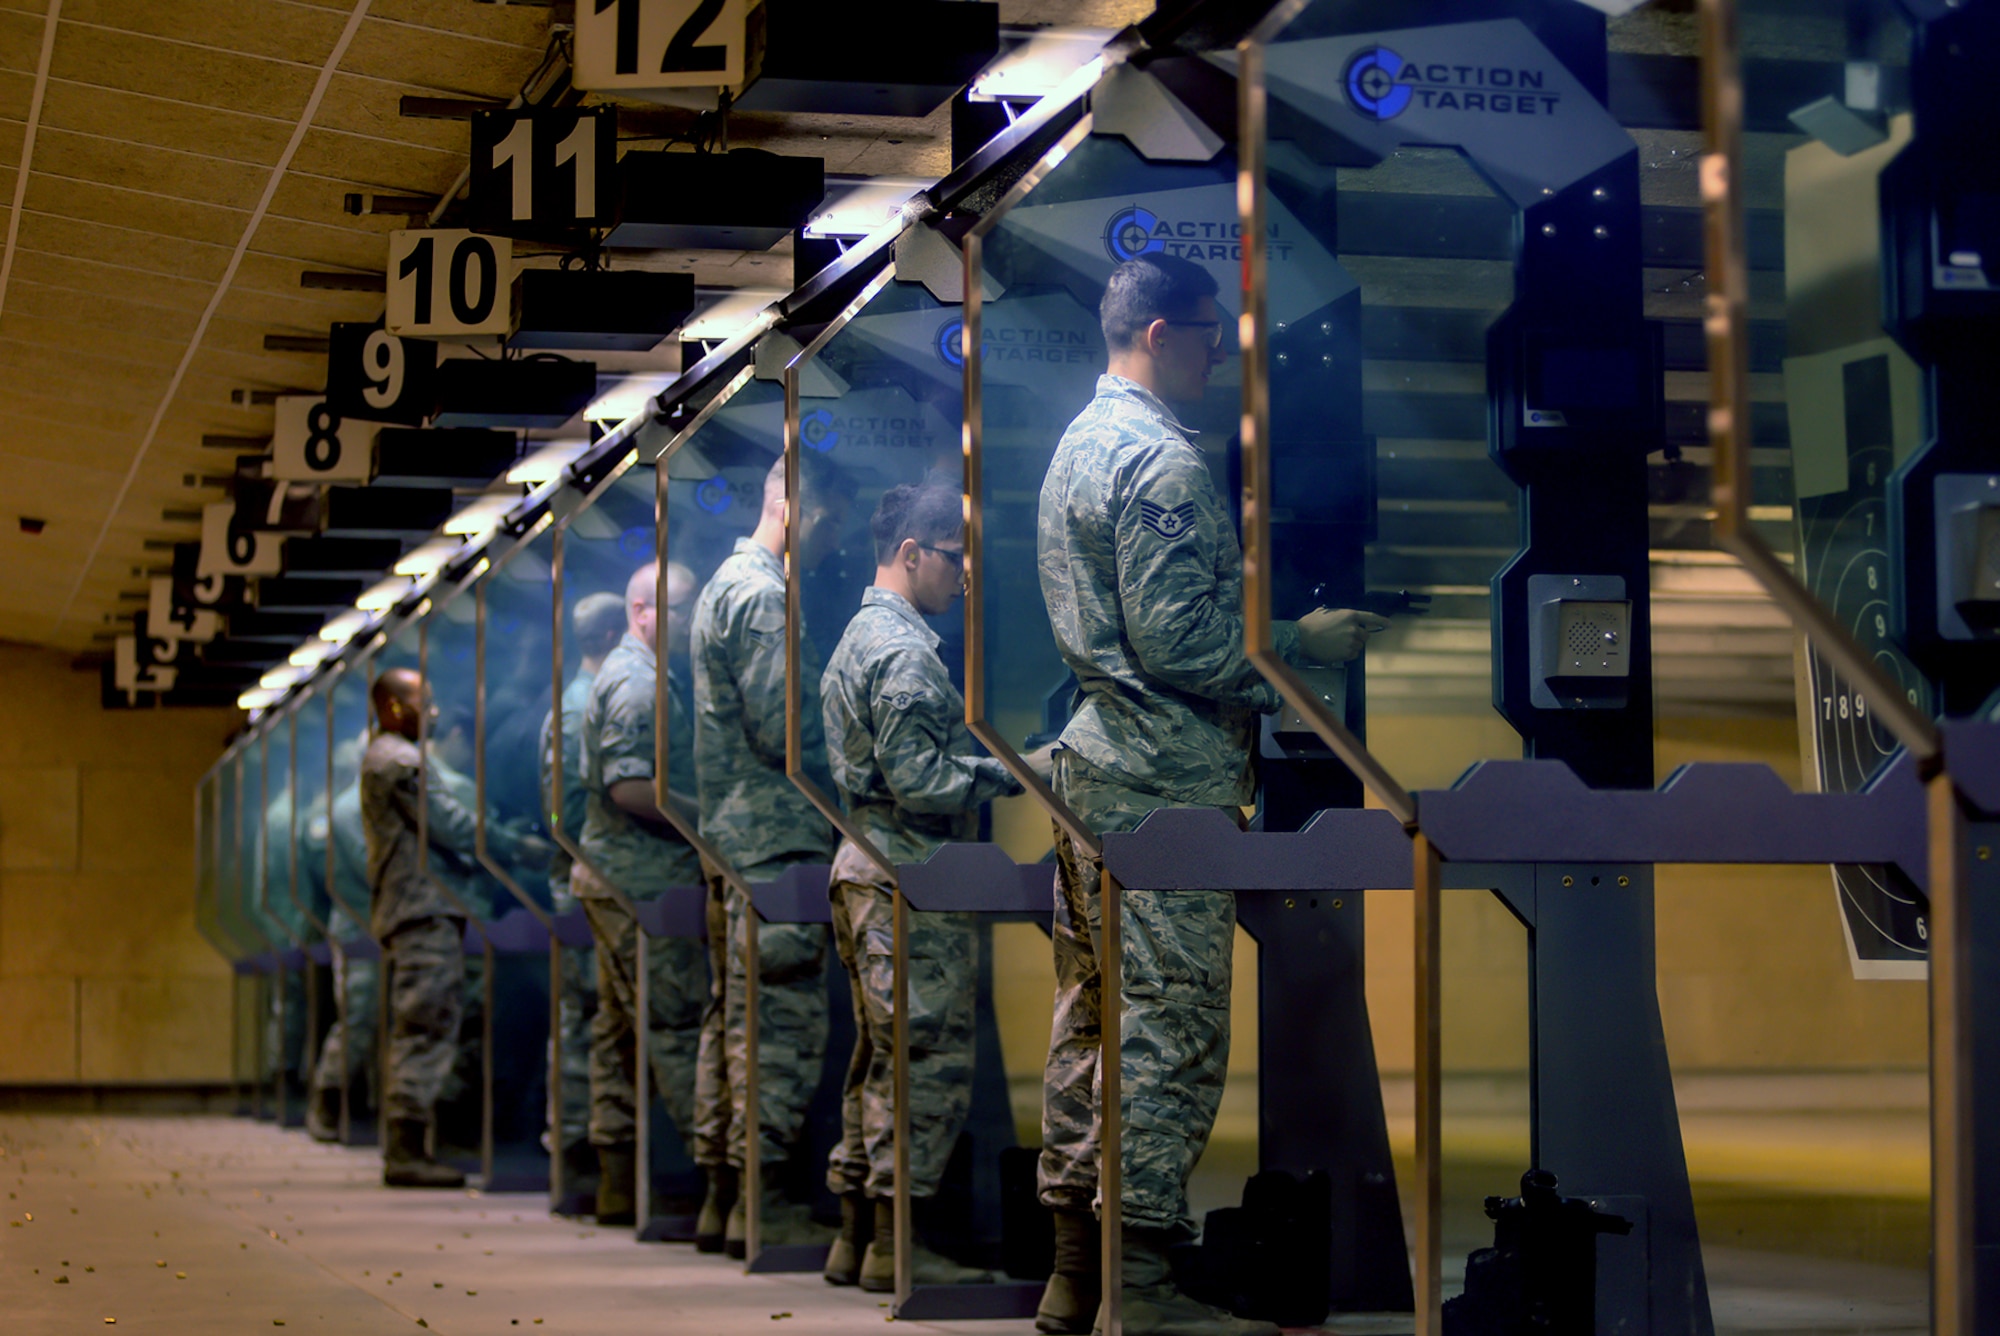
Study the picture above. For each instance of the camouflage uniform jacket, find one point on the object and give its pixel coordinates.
(616, 739)
(1143, 577)
(908, 771)
(350, 854)
(400, 890)
(750, 811)
(575, 696)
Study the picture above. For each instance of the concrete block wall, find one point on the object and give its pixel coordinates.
(103, 978)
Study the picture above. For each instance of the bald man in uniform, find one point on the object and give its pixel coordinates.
(420, 927)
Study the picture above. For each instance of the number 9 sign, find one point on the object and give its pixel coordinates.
(374, 376)
(312, 443)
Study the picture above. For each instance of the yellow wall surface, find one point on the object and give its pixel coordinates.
(103, 978)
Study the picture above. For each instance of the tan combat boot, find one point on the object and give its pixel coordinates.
(407, 1162)
(716, 1209)
(857, 1225)
(878, 1266)
(1069, 1302)
(617, 1180)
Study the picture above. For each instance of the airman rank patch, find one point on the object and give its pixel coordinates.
(1168, 523)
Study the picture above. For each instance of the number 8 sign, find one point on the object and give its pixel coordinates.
(448, 283)
(312, 443)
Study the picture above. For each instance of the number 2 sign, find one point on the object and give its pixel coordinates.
(634, 45)
(448, 283)
(376, 377)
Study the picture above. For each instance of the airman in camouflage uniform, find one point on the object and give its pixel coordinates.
(759, 821)
(417, 921)
(347, 1054)
(285, 1041)
(633, 854)
(912, 780)
(599, 622)
(1142, 574)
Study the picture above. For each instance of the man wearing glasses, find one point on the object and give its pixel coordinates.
(912, 779)
(1143, 577)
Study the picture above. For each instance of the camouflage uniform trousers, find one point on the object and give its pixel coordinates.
(942, 986)
(676, 997)
(285, 1040)
(1174, 1030)
(426, 1003)
(347, 1054)
(791, 1034)
(576, 1004)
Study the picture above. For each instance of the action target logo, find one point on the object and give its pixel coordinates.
(1129, 234)
(712, 495)
(636, 541)
(1371, 83)
(951, 342)
(817, 432)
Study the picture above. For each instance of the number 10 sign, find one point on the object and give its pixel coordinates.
(447, 283)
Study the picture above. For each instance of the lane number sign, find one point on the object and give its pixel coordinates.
(635, 45)
(230, 548)
(312, 443)
(180, 621)
(376, 377)
(448, 283)
(543, 170)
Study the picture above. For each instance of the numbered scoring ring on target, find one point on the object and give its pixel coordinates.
(1371, 84)
(1129, 234)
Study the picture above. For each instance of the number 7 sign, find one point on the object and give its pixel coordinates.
(634, 45)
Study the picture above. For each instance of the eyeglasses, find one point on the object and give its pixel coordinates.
(955, 555)
(1214, 328)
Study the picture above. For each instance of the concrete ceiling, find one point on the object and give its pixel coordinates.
(187, 160)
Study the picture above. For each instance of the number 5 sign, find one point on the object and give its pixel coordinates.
(447, 283)
(635, 45)
(312, 443)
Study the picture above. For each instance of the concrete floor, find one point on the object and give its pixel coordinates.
(213, 1224)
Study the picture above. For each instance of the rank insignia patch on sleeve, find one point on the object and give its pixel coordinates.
(1168, 522)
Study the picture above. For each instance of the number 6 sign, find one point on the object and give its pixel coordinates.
(448, 283)
(312, 443)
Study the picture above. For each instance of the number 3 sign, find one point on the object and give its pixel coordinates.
(312, 443)
(447, 283)
(634, 45)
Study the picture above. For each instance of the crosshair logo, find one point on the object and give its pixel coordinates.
(816, 430)
(951, 342)
(1129, 234)
(636, 541)
(712, 495)
(1371, 83)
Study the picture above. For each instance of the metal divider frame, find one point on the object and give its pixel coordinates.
(1110, 947)
(1726, 321)
(1261, 647)
(828, 805)
(484, 571)
(751, 1185)
(266, 728)
(301, 902)
(250, 882)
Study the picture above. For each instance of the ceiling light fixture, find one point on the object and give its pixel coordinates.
(428, 559)
(546, 464)
(385, 594)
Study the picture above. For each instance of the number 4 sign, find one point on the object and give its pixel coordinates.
(312, 443)
(447, 283)
(634, 45)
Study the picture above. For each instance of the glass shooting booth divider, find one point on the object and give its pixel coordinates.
(873, 410)
(309, 829)
(480, 816)
(276, 950)
(218, 924)
(634, 873)
(350, 1056)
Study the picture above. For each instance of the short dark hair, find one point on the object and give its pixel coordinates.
(599, 620)
(929, 511)
(820, 479)
(1152, 287)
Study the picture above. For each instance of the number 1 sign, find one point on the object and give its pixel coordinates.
(634, 45)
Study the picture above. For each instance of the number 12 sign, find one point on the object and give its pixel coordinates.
(448, 283)
(634, 45)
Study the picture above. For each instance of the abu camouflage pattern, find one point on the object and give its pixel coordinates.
(616, 743)
(907, 770)
(574, 697)
(1143, 577)
(750, 810)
